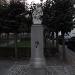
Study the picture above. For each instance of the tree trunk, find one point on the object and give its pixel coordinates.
(44, 43)
(57, 44)
(16, 52)
(44, 40)
(63, 48)
(52, 39)
(7, 39)
(0, 38)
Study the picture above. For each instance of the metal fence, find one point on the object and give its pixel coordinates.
(7, 45)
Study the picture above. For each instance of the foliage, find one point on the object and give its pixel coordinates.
(15, 9)
(3, 12)
(13, 17)
(58, 15)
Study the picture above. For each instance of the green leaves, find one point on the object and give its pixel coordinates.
(58, 15)
(12, 17)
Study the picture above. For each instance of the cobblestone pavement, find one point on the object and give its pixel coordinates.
(54, 67)
(63, 70)
(50, 70)
(4, 66)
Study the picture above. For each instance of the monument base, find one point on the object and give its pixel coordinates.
(37, 46)
(38, 63)
(38, 71)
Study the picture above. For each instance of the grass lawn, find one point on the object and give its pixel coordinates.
(24, 44)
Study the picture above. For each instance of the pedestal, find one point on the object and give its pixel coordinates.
(38, 71)
(37, 52)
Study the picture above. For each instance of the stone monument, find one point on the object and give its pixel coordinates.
(37, 45)
(37, 15)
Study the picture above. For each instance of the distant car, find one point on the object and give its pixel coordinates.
(71, 43)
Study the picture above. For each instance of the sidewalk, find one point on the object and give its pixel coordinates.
(22, 68)
(6, 65)
(54, 66)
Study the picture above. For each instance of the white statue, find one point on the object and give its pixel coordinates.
(37, 13)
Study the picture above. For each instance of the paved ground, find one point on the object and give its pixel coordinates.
(55, 66)
(4, 66)
(23, 68)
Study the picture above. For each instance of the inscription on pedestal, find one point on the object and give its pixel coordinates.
(36, 43)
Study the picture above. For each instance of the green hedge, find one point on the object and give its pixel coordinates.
(9, 52)
(24, 44)
(23, 52)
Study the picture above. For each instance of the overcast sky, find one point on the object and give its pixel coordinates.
(36, 1)
(29, 1)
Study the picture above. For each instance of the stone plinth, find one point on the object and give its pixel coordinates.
(37, 45)
(38, 71)
(37, 61)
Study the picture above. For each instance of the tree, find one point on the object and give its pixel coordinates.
(58, 17)
(16, 18)
(3, 2)
(65, 9)
(48, 18)
(3, 12)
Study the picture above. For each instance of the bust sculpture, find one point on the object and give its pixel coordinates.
(37, 14)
